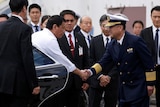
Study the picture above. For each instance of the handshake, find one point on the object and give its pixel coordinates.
(84, 74)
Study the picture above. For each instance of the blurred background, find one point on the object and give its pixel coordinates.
(134, 9)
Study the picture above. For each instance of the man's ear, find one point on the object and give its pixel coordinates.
(24, 9)
(54, 26)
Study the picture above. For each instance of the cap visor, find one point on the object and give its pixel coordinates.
(109, 24)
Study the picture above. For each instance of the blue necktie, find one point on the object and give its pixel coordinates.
(36, 28)
(88, 39)
(107, 41)
(156, 44)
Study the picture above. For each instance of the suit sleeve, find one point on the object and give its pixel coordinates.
(92, 52)
(27, 58)
(147, 61)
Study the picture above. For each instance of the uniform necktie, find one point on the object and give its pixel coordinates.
(71, 44)
(156, 43)
(107, 41)
(88, 39)
(36, 28)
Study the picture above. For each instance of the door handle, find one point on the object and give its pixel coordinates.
(48, 77)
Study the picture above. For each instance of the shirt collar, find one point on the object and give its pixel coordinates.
(121, 40)
(49, 32)
(67, 33)
(104, 37)
(18, 17)
(154, 31)
(85, 34)
(35, 24)
(154, 28)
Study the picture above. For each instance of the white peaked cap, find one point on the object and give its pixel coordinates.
(116, 19)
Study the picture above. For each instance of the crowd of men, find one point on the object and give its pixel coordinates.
(121, 67)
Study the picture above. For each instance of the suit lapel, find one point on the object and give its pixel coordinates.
(150, 37)
(101, 44)
(66, 45)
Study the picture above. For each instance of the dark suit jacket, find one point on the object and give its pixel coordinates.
(97, 49)
(132, 61)
(77, 28)
(147, 35)
(80, 61)
(80, 33)
(17, 71)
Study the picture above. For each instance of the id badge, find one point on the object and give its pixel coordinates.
(80, 50)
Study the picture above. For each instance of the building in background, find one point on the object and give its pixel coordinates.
(134, 9)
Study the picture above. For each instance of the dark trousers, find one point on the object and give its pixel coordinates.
(142, 102)
(7, 100)
(157, 86)
(110, 96)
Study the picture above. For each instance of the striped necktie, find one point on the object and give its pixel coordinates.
(71, 44)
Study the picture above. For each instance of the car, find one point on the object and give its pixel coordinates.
(52, 79)
(52, 76)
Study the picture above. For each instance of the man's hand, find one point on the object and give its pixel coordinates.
(85, 86)
(85, 74)
(104, 80)
(150, 90)
(36, 90)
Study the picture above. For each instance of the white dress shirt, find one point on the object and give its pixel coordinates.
(33, 26)
(86, 37)
(154, 35)
(72, 37)
(46, 41)
(105, 39)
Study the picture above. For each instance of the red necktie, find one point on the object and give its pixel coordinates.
(71, 44)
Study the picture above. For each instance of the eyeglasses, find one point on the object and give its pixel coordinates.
(69, 20)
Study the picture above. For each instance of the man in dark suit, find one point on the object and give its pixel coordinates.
(86, 27)
(133, 60)
(35, 15)
(74, 47)
(97, 49)
(76, 27)
(149, 35)
(17, 72)
(3, 17)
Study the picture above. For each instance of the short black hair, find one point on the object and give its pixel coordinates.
(45, 17)
(4, 15)
(17, 5)
(103, 18)
(77, 16)
(138, 21)
(55, 19)
(34, 6)
(64, 12)
(157, 8)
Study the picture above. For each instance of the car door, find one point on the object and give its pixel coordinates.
(52, 76)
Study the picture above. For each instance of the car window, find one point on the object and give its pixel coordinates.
(40, 58)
